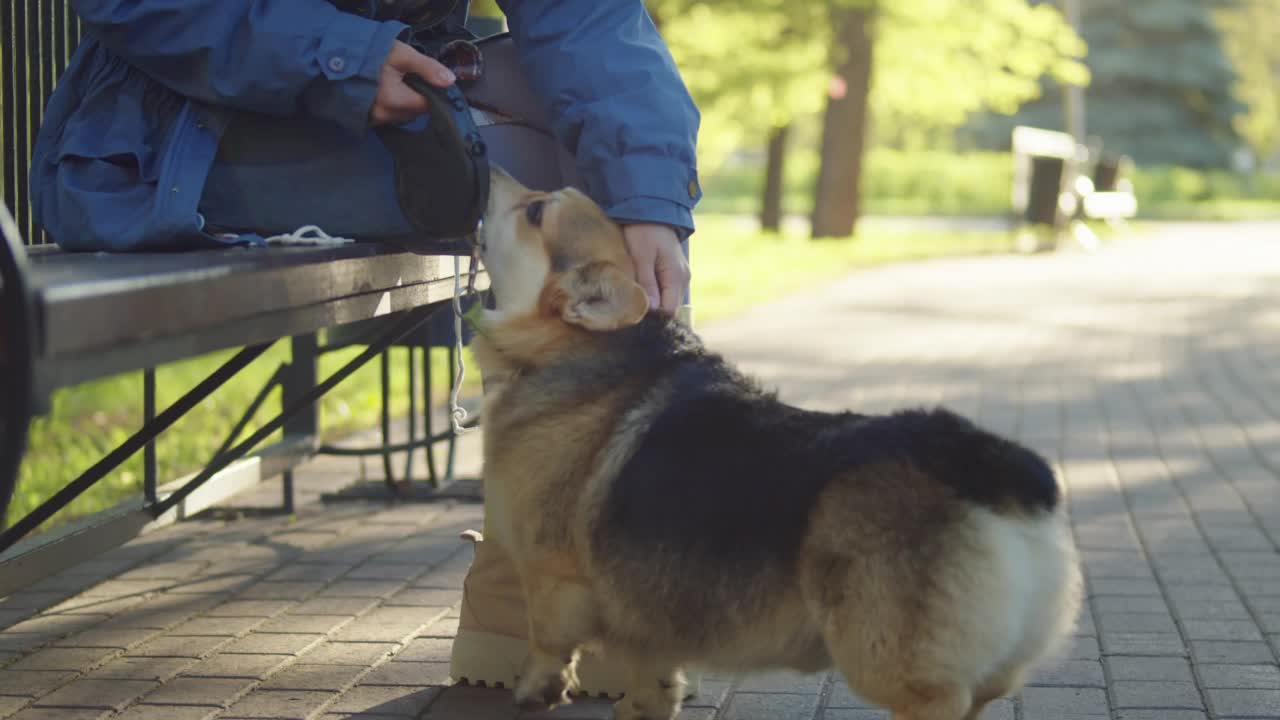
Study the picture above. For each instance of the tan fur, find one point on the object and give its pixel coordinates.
(908, 591)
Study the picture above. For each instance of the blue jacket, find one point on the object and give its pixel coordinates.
(132, 128)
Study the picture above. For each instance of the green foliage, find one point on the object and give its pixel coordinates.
(978, 183)
(1251, 29)
(937, 61)
(894, 183)
(753, 65)
(750, 66)
(1161, 89)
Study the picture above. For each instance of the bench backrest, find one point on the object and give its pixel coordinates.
(38, 39)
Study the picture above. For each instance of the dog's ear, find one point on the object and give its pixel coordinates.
(600, 296)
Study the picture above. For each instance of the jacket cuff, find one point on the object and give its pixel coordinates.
(350, 56)
(646, 188)
(653, 210)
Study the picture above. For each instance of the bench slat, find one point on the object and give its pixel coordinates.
(104, 314)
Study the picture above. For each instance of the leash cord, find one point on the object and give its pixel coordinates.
(457, 413)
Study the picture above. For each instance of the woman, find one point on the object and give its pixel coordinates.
(192, 123)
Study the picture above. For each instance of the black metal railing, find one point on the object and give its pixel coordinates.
(37, 38)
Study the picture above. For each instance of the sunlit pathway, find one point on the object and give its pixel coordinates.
(1148, 372)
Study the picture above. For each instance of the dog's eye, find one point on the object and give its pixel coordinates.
(533, 213)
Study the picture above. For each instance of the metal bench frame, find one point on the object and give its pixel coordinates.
(44, 300)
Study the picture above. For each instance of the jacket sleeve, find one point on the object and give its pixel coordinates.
(617, 102)
(278, 57)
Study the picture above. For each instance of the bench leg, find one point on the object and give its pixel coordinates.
(299, 379)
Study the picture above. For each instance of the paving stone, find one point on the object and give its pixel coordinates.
(291, 591)
(251, 608)
(425, 597)
(1073, 673)
(712, 693)
(168, 712)
(426, 650)
(63, 659)
(334, 606)
(1245, 703)
(1121, 586)
(303, 624)
(1123, 623)
(109, 637)
(179, 646)
(387, 624)
(782, 682)
(213, 691)
(349, 653)
(1165, 669)
(272, 644)
(314, 677)
(55, 626)
(1045, 701)
(238, 666)
(157, 669)
(771, 706)
(307, 572)
(39, 713)
(374, 589)
(1234, 630)
(1148, 694)
(1159, 714)
(386, 699)
(408, 674)
(10, 704)
(1111, 604)
(105, 694)
(1124, 643)
(215, 626)
(278, 705)
(471, 703)
(1235, 653)
(1254, 677)
(32, 683)
(860, 714)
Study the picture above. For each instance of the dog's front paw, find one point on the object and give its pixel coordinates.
(543, 691)
(628, 709)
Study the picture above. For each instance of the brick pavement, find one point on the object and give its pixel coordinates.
(1149, 373)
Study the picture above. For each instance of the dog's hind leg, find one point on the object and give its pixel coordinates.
(561, 619)
(993, 689)
(939, 704)
(654, 692)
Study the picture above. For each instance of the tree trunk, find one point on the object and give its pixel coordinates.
(844, 128)
(771, 202)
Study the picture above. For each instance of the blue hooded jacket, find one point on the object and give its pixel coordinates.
(133, 125)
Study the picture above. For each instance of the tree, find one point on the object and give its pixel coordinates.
(836, 193)
(755, 65)
(1251, 30)
(923, 66)
(1162, 88)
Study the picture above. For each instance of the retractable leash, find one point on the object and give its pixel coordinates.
(457, 413)
(442, 177)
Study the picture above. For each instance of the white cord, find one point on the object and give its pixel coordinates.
(457, 413)
(307, 235)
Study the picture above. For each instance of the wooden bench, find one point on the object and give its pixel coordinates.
(67, 318)
(1053, 189)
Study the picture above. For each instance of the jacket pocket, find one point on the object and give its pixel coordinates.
(118, 127)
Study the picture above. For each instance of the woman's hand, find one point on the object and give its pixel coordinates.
(661, 267)
(396, 102)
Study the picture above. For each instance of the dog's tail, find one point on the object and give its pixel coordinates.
(979, 466)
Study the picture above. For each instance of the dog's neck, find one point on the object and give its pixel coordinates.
(547, 349)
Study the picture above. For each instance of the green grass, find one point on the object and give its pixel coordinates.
(88, 420)
(735, 266)
(978, 183)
